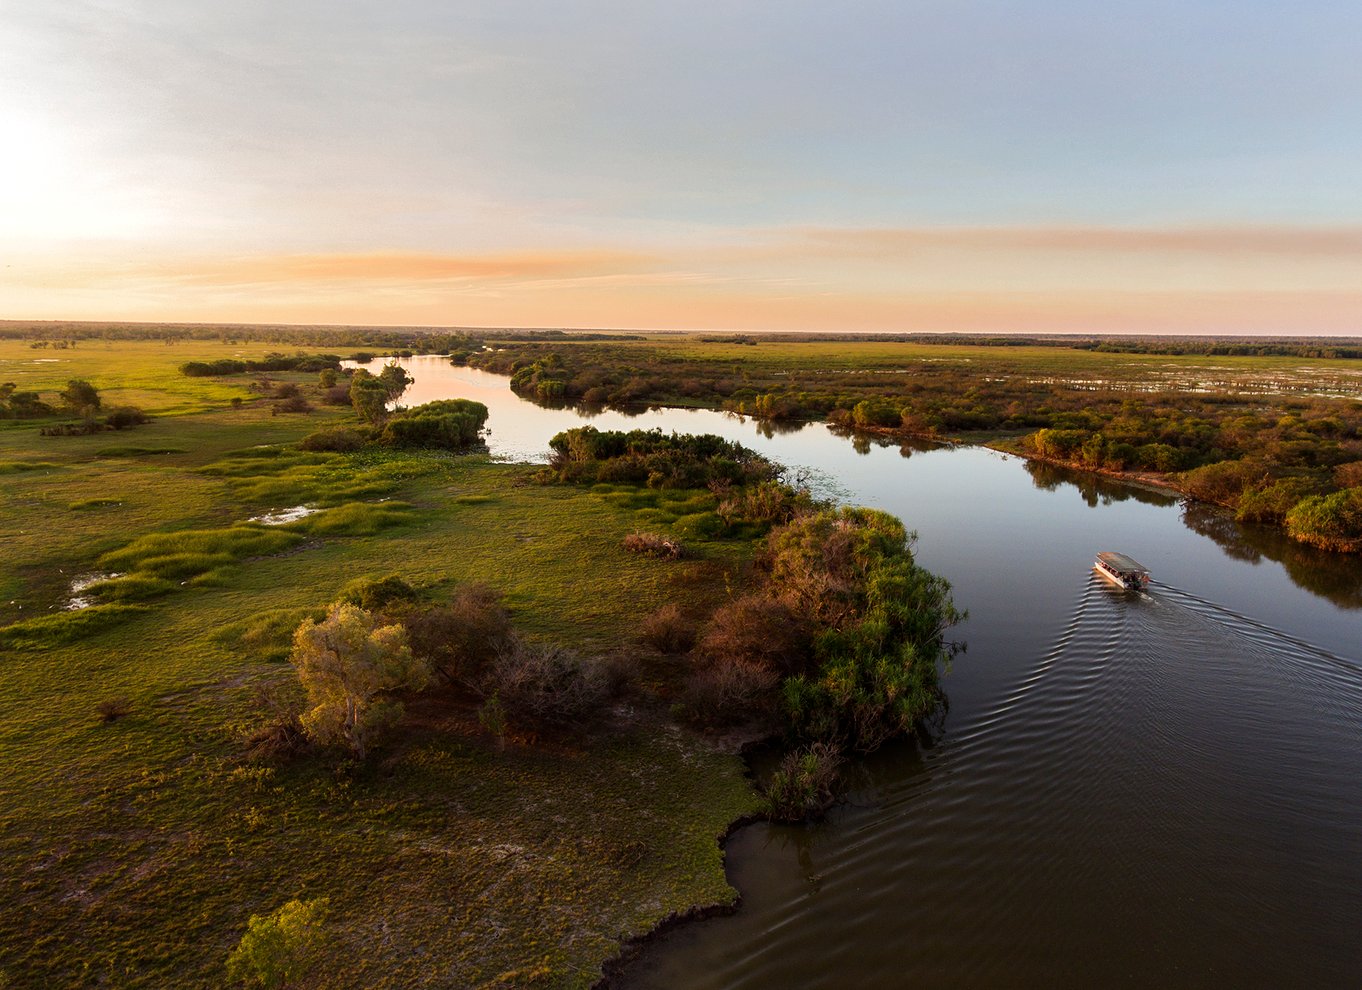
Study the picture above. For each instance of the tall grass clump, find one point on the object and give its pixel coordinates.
(354, 519)
(804, 785)
(197, 550)
(65, 627)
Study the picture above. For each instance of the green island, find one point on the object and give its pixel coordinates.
(302, 692)
(349, 703)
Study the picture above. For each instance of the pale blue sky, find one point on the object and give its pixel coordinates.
(680, 131)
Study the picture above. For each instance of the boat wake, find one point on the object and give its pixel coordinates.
(1128, 786)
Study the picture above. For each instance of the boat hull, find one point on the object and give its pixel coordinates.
(1131, 582)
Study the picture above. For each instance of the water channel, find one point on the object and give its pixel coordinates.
(1129, 790)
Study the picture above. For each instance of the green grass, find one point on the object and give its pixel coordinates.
(132, 852)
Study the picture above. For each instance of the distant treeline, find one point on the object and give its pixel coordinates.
(425, 340)
(1226, 348)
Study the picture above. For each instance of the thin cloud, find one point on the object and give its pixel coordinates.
(395, 267)
(1294, 241)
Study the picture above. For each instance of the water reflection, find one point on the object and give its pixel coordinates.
(1095, 489)
(1334, 576)
(948, 495)
(1127, 790)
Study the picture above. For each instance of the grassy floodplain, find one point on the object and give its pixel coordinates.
(135, 850)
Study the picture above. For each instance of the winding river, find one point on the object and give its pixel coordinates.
(1128, 790)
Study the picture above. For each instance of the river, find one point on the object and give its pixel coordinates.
(1127, 790)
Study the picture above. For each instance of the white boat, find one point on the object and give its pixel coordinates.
(1122, 570)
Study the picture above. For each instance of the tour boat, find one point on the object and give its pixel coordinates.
(1120, 569)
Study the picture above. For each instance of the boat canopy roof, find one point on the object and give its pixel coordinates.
(1120, 562)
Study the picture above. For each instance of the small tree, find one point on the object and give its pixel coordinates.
(369, 396)
(349, 669)
(395, 380)
(279, 948)
(79, 395)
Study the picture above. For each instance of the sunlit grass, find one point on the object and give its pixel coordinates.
(133, 851)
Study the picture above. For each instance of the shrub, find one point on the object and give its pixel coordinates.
(336, 395)
(1225, 481)
(449, 424)
(804, 786)
(1331, 522)
(461, 639)
(280, 948)
(758, 631)
(1271, 503)
(764, 504)
(723, 694)
(293, 404)
(125, 417)
(278, 739)
(372, 594)
(668, 630)
(112, 709)
(539, 685)
(654, 545)
(337, 439)
(1348, 475)
(880, 622)
(585, 455)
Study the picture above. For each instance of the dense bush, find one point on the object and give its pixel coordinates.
(652, 458)
(766, 503)
(760, 631)
(124, 417)
(270, 362)
(449, 424)
(668, 630)
(719, 694)
(1331, 522)
(336, 439)
(378, 594)
(846, 618)
(461, 639)
(539, 685)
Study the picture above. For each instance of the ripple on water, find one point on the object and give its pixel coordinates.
(1106, 821)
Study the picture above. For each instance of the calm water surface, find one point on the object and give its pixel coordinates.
(1129, 790)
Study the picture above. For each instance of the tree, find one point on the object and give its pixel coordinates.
(369, 396)
(350, 667)
(279, 948)
(80, 395)
(395, 380)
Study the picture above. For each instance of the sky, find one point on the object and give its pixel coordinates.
(954, 165)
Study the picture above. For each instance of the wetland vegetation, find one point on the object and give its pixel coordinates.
(1271, 430)
(281, 656)
(538, 766)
